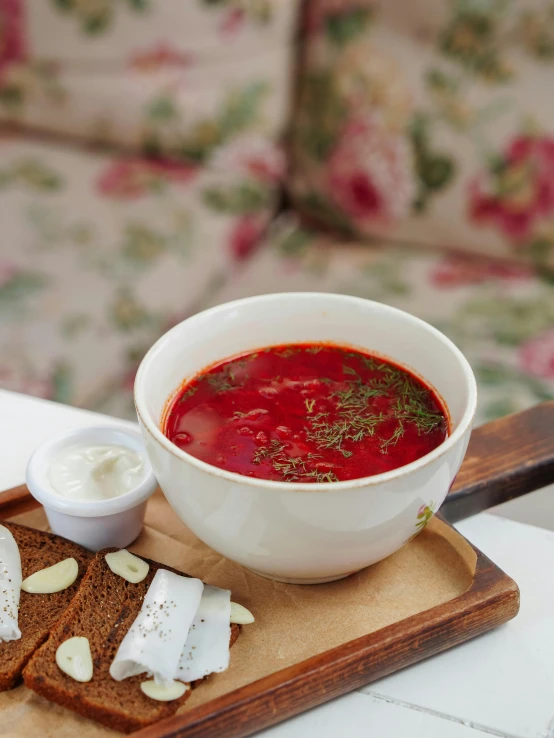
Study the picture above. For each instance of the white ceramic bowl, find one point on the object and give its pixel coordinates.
(304, 533)
(94, 524)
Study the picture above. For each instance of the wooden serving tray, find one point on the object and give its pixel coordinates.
(312, 643)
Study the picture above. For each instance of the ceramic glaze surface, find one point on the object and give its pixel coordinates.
(92, 523)
(294, 532)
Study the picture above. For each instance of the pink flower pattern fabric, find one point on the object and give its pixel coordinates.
(537, 355)
(251, 155)
(196, 94)
(132, 178)
(459, 270)
(12, 33)
(159, 57)
(116, 250)
(111, 250)
(160, 78)
(245, 236)
(370, 172)
(516, 195)
(431, 126)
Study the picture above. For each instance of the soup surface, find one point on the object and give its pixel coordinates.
(306, 413)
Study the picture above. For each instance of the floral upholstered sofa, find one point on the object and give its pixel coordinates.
(161, 156)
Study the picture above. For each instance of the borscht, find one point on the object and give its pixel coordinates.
(306, 413)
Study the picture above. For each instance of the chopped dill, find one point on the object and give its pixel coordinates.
(415, 411)
(349, 427)
(226, 379)
(287, 351)
(369, 399)
(274, 448)
(323, 476)
(357, 420)
(356, 396)
(313, 349)
(374, 365)
(189, 393)
(292, 468)
(393, 440)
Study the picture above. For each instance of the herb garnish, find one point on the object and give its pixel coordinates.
(393, 440)
(353, 416)
(356, 419)
(188, 393)
(309, 405)
(292, 468)
(361, 398)
(350, 427)
(226, 379)
(313, 349)
(287, 351)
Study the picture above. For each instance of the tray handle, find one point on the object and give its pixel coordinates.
(505, 459)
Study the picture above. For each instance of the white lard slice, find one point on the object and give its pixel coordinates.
(207, 647)
(157, 637)
(10, 586)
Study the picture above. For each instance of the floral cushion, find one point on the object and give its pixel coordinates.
(500, 314)
(99, 255)
(429, 122)
(115, 30)
(179, 77)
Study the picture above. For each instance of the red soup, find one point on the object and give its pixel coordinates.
(306, 413)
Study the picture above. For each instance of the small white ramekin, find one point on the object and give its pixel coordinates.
(94, 524)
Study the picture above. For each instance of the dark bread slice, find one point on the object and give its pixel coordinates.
(37, 613)
(102, 611)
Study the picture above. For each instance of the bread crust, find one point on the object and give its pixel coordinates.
(38, 613)
(103, 610)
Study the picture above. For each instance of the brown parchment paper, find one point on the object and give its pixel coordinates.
(292, 622)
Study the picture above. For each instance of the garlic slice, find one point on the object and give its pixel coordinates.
(74, 658)
(164, 693)
(240, 615)
(127, 565)
(52, 579)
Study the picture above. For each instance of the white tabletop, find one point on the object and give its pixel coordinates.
(500, 684)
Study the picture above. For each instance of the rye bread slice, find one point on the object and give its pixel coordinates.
(103, 611)
(37, 612)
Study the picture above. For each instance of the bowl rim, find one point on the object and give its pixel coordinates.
(155, 432)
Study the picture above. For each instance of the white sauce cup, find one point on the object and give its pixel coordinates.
(94, 524)
(304, 533)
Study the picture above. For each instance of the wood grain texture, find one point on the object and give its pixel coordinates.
(505, 459)
(492, 599)
(16, 501)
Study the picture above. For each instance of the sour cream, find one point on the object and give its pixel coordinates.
(94, 472)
